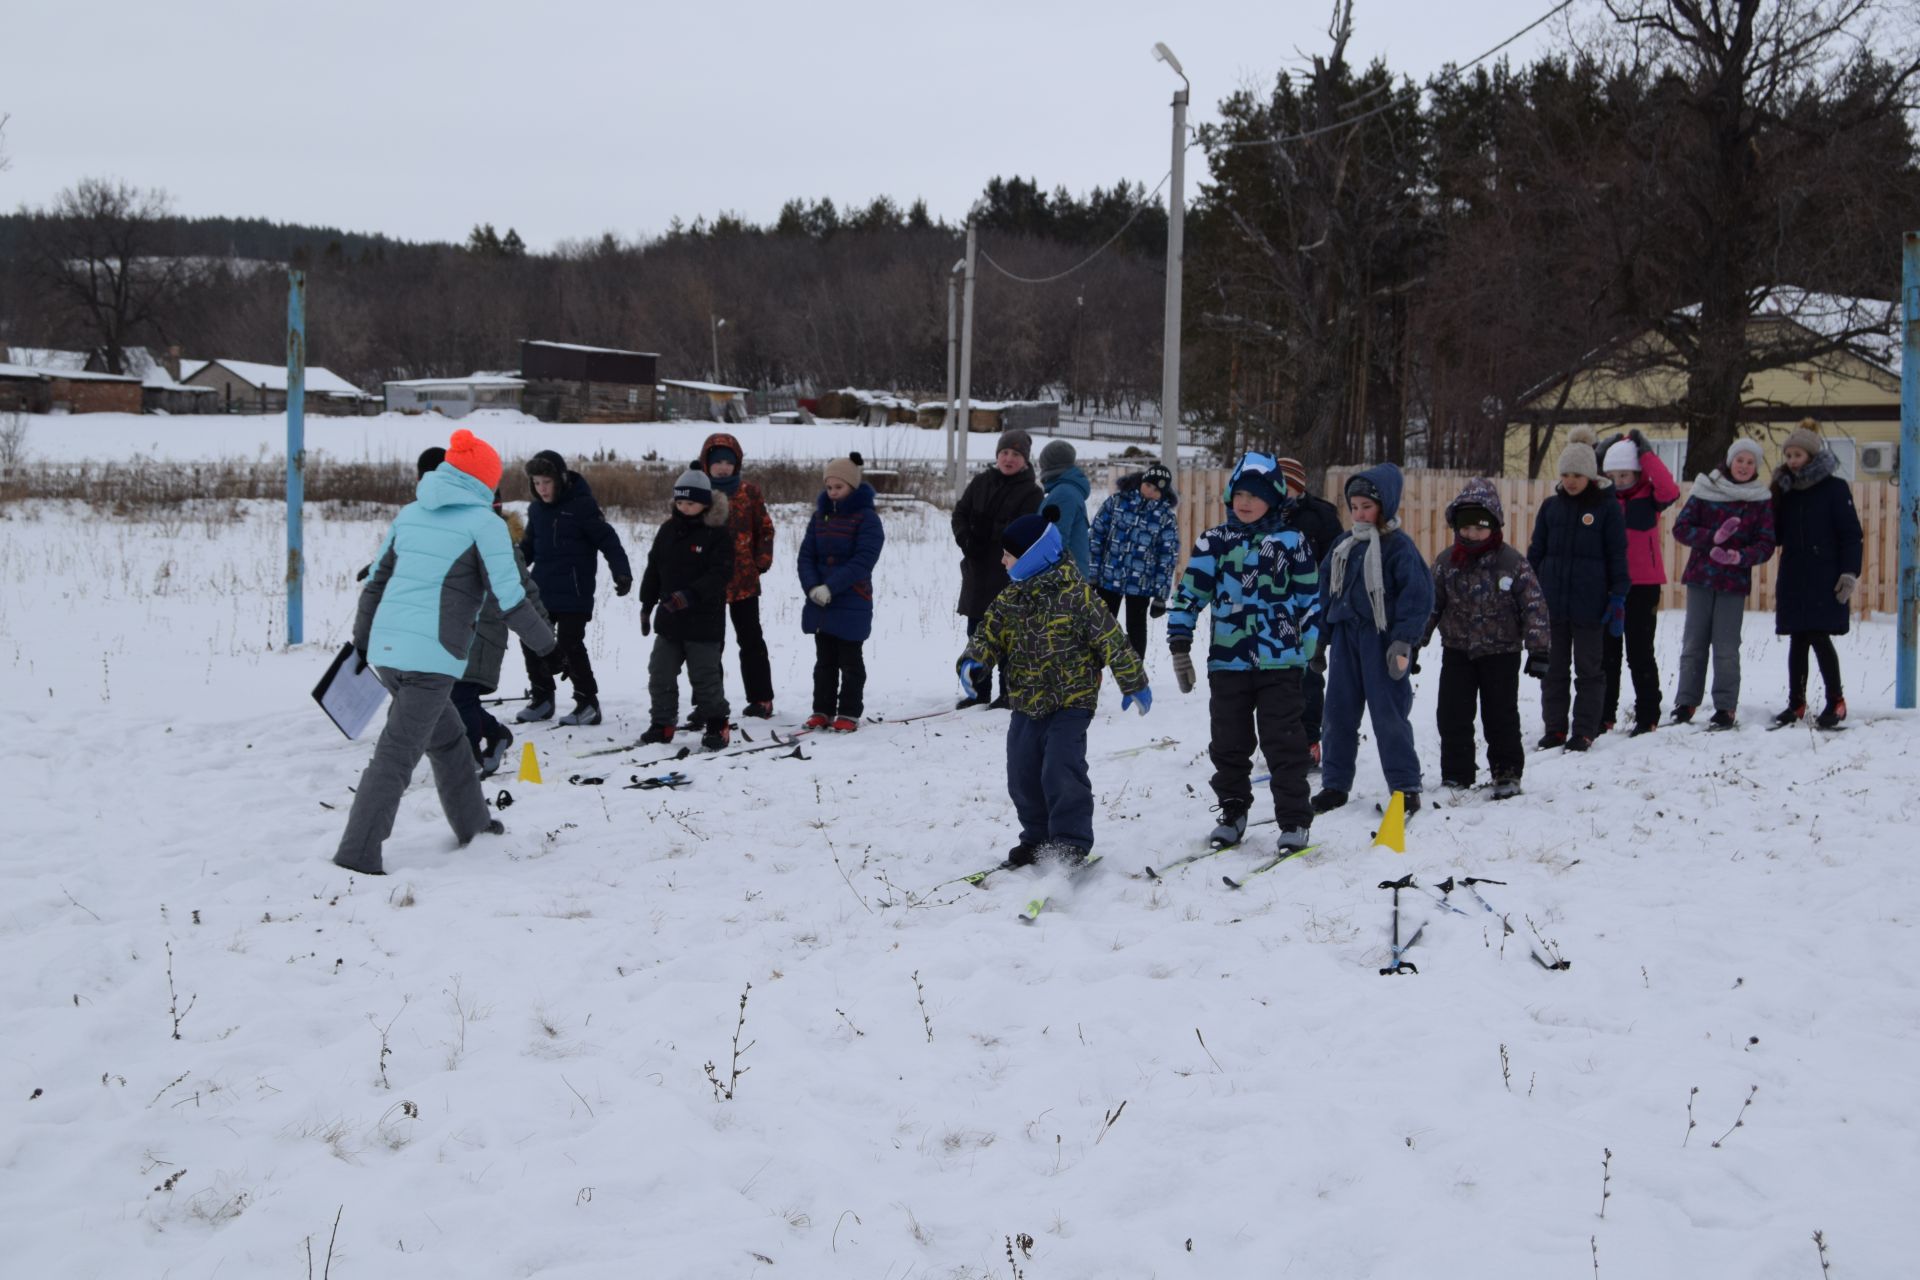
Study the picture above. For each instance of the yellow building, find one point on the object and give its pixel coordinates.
(1854, 394)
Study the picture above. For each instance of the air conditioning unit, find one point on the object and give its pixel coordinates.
(1879, 457)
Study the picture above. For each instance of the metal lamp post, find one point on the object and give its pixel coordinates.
(718, 325)
(1176, 237)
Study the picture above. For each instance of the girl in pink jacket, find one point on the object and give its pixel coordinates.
(1645, 488)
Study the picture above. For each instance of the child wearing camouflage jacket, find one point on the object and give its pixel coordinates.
(1488, 607)
(1135, 546)
(1051, 636)
(1259, 578)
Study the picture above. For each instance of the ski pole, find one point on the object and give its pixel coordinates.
(1557, 964)
(1399, 965)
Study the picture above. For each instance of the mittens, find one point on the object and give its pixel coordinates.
(820, 595)
(1843, 589)
(1724, 555)
(1616, 616)
(1183, 670)
(1728, 527)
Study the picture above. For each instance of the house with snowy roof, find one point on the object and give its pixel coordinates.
(1848, 381)
(455, 397)
(244, 386)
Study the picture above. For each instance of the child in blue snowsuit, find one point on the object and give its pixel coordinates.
(1258, 577)
(1135, 546)
(1378, 596)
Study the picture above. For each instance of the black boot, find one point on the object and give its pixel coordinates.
(1328, 799)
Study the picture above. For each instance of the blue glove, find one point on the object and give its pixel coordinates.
(968, 669)
(1616, 615)
(1143, 699)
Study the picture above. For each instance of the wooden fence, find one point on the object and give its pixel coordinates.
(1423, 515)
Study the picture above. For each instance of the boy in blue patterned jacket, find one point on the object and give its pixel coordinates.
(1260, 580)
(1135, 546)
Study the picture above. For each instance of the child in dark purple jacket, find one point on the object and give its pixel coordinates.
(836, 562)
(1728, 521)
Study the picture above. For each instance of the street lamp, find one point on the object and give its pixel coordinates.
(1176, 236)
(718, 325)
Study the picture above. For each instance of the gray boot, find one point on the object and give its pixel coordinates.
(1294, 839)
(540, 707)
(585, 711)
(1231, 829)
(1505, 788)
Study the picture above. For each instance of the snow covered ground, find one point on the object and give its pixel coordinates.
(116, 437)
(492, 1062)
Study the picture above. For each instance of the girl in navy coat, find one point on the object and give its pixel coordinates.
(837, 556)
(1820, 549)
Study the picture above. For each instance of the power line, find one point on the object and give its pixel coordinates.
(1138, 209)
(1452, 73)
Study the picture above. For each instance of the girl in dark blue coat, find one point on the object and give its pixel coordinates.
(1378, 594)
(837, 556)
(1820, 557)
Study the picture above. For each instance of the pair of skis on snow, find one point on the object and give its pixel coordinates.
(1283, 856)
(1034, 906)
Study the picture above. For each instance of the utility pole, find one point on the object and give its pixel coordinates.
(296, 445)
(1909, 635)
(715, 324)
(964, 428)
(954, 469)
(1176, 243)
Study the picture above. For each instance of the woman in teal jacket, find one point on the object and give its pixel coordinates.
(415, 625)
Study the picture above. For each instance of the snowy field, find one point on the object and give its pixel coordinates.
(492, 1062)
(116, 437)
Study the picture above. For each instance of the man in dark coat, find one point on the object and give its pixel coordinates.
(994, 499)
(1820, 558)
(566, 535)
(1318, 521)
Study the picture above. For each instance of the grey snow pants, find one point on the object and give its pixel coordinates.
(1713, 622)
(702, 661)
(421, 720)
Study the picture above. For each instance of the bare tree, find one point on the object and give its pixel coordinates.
(101, 249)
(1764, 110)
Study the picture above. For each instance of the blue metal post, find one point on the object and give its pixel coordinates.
(296, 443)
(1909, 638)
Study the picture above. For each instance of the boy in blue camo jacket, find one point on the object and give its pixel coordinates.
(1259, 578)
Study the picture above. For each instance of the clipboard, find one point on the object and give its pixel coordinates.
(349, 698)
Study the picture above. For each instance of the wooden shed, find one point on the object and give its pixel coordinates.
(245, 386)
(705, 401)
(567, 382)
(33, 389)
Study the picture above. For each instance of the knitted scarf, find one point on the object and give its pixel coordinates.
(1718, 486)
(1373, 567)
(1465, 553)
(1818, 468)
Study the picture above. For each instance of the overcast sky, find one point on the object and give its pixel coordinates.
(420, 118)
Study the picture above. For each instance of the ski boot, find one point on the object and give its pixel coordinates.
(1835, 712)
(1642, 727)
(1328, 799)
(1794, 713)
(1000, 703)
(1231, 828)
(1070, 856)
(1721, 720)
(539, 707)
(1021, 855)
(1456, 784)
(1413, 802)
(718, 734)
(844, 724)
(1579, 742)
(1550, 739)
(817, 721)
(494, 751)
(586, 711)
(759, 710)
(1293, 840)
(1683, 715)
(657, 734)
(1505, 788)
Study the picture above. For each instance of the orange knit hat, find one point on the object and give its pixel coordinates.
(469, 453)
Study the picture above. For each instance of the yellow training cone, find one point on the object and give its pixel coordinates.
(1393, 827)
(530, 765)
